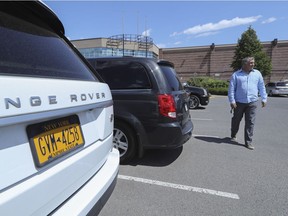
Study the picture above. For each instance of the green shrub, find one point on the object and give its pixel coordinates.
(214, 86)
(218, 91)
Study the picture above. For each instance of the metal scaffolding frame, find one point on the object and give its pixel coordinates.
(118, 41)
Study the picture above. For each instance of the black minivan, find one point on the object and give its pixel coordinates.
(151, 107)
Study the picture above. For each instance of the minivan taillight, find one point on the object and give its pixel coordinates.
(166, 105)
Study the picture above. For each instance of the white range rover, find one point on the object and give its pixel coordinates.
(56, 119)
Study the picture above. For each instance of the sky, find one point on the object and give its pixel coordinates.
(173, 24)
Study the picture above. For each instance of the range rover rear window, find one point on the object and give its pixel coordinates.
(31, 50)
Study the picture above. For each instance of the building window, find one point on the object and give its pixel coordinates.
(104, 52)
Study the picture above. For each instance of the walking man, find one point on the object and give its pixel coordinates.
(245, 84)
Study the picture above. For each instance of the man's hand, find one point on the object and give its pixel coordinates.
(233, 105)
(263, 104)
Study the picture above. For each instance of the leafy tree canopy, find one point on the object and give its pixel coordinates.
(249, 45)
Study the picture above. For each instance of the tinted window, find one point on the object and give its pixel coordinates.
(172, 78)
(282, 84)
(33, 50)
(123, 75)
(271, 84)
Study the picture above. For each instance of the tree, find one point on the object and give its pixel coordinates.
(249, 45)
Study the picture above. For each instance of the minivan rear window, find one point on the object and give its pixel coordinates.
(172, 78)
(123, 74)
(33, 50)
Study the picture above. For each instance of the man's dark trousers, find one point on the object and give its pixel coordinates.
(249, 109)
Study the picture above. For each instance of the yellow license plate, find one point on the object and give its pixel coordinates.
(53, 139)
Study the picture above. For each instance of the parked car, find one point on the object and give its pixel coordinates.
(277, 88)
(198, 96)
(150, 104)
(56, 119)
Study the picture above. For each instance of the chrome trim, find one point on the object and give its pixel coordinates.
(51, 113)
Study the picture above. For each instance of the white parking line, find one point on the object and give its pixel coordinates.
(208, 136)
(181, 187)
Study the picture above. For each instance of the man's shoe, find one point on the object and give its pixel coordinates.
(249, 146)
(234, 139)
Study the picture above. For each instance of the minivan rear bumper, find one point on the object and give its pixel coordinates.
(169, 135)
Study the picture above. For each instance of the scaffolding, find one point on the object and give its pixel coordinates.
(140, 42)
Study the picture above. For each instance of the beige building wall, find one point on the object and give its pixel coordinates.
(209, 60)
(89, 43)
(215, 61)
(102, 42)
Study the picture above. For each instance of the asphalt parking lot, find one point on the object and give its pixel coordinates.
(210, 175)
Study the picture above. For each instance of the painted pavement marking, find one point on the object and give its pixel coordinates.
(180, 187)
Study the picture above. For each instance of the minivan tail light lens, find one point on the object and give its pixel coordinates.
(166, 105)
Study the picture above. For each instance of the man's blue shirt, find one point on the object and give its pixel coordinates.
(244, 87)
